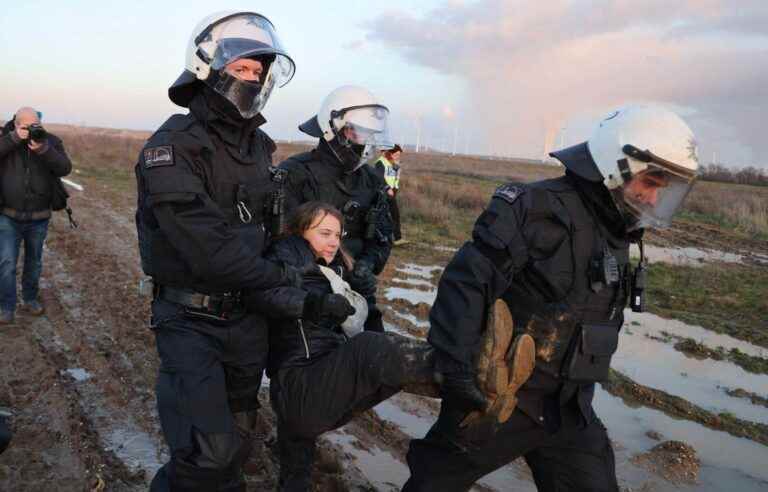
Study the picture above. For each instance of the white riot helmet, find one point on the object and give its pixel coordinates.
(353, 122)
(645, 156)
(223, 38)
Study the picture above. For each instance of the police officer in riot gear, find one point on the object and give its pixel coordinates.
(557, 252)
(205, 192)
(351, 126)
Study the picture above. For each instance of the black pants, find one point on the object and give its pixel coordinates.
(394, 210)
(207, 396)
(313, 399)
(576, 458)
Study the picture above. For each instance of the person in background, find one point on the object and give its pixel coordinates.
(31, 159)
(388, 167)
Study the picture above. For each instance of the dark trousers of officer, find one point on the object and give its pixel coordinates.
(577, 457)
(313, 399)
(207, 396)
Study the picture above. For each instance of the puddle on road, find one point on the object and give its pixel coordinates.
(379, 467)
(135, 448)
(413, 281)
(654, 325)
(413, 295)
(659, 365)
(685, 256)
(396, 329)
(78, 374)
(727, 462)
(416, 270)
(416, 321)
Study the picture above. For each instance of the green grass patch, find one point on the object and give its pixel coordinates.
(730, 299)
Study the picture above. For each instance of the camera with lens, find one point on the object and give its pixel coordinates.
(37, 132)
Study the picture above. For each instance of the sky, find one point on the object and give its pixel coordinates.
(501, 77)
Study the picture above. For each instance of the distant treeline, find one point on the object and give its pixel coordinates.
(748, 175)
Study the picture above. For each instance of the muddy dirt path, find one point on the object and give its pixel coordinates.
(80, 379)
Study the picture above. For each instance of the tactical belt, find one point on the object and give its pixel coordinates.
(219, 305)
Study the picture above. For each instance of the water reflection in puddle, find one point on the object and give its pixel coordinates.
(78, 374)
(659, 365)
(414, 281)
(685, 256)
(416, 270)
(380, 468)
(654, 325)
(728, 462)
(413, 295)
(411, 318)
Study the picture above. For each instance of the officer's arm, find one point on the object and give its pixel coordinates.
(477, 275)
(295, 185)
(8, 143)
(197, 229)
(279, 302)
(379, 168)
(55, 157)
(376, 250)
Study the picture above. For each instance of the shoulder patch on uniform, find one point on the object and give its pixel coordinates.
(158, 156)
(509, 192)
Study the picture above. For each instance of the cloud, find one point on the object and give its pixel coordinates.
(533, 68)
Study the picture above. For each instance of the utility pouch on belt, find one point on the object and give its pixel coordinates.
(589, 357)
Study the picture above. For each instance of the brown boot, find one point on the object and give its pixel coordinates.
(503, 365)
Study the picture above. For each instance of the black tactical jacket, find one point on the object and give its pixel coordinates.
(204, 183)
(532, 247)
(318, 175)
(27, 178)
(294, 341)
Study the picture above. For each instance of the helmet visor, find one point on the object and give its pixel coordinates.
(367, 125)
(652, 197)
(246, 35)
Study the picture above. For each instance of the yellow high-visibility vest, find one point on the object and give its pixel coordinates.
(391, 174)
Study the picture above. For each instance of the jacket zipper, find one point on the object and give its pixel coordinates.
(304, 338)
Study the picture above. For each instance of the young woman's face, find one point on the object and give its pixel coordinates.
(324, 236)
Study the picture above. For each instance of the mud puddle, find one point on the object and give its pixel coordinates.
(380, 468)
(727, 462)
(653, 325)
(659, 365)
(688, 256)
(413, 295)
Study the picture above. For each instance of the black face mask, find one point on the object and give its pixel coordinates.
(348, 154)
(244, 95)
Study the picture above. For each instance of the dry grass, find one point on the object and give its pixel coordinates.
(441, 194)
(735, 206)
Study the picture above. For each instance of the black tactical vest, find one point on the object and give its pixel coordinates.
(243, 192)
(554, 295)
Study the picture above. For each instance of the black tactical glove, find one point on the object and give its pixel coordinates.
(333, 307)
(461, 388)
(363, 281)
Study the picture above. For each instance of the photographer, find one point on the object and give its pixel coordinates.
(30, 160)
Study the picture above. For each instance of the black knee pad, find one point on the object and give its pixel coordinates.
(5, 434)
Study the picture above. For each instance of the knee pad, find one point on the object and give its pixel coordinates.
(5, 434)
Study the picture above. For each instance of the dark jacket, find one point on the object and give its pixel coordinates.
(318, 175)
(532, 247)
(204, 182)
(27, 178)
(294, 341)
